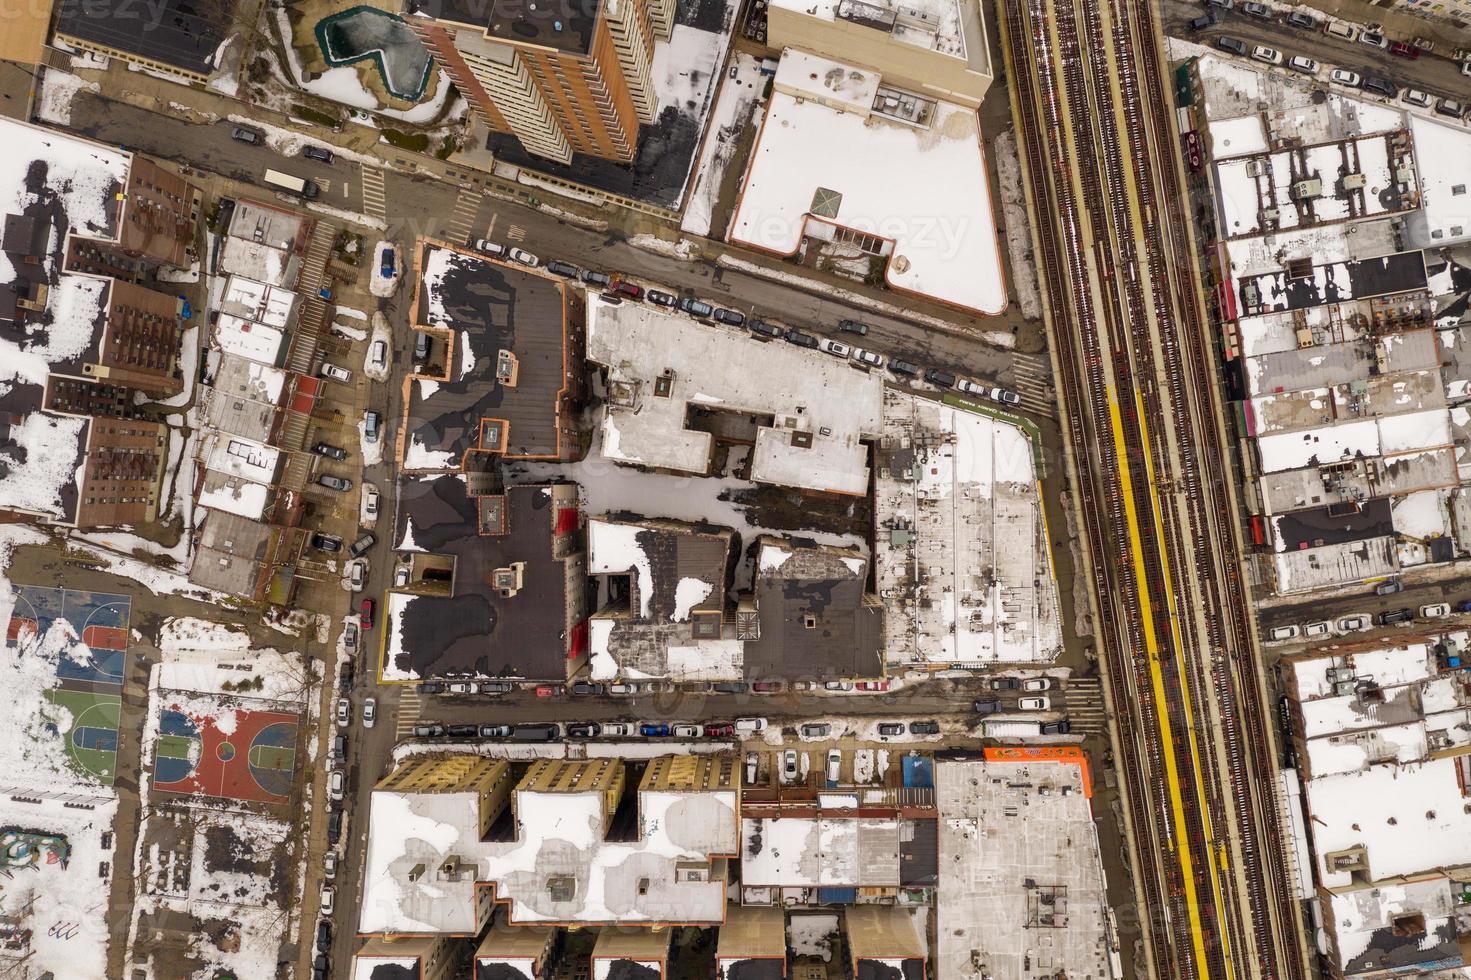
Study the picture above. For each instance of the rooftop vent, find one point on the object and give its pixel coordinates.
(508, 581)
(507, 368)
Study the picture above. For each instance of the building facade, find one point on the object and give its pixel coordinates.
(559, 77)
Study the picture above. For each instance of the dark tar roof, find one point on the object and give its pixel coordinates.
(564, 25)
(879, 970)
(846, 638)
(1365, 278)
(488, 970)
(1390, 952)
(475, 629)
(765, 968)
(1311, 528)
(499, 308)
(675, 552)
(181, 33)
(631, 970)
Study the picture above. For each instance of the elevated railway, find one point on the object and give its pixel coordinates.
(1147, 450)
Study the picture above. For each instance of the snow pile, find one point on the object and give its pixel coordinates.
(681, 249)
(381, 333)
(58, 89)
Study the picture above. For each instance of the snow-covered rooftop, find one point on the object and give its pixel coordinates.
(922, 187)
(960, 501)
(259, 301)
(244, 458)
(1441, 152)
(249, 339)
(822, 407)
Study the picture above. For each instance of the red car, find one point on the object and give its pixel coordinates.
(630, 289)
(767, 687)
(872, 685)
(721, 730)
(365, 614)
(550, 690)
(1404, 50)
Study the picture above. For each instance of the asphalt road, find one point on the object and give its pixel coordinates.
(1432, 72)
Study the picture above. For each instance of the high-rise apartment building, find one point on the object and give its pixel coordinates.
(562, 76)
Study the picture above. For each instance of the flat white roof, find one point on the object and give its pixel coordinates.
(1360, 437)
(257, 301)
(234, 495)
(1441, 153)
(258, 261)
(931, 24)
(815, 398)
(925, 189)
(1409, 818)
(244, 458)
(249, 339)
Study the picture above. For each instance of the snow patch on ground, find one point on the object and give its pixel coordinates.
(58, 89)
(681, 249)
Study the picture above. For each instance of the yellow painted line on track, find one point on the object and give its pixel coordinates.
(1215, 863)
(1157, 681)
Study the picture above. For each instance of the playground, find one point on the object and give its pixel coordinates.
(232, 753)
(100, 619)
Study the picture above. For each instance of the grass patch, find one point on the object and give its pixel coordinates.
(414, 142)
(449, 147)
(316, 115)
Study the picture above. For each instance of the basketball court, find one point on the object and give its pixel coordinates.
(254, 761)
(91, 742)
(100, 620)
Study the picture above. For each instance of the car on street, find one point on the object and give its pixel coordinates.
(463, 731)
(1402, 50)
(350, 635)
(632, 290)
(564, 269)
(365, 614)
(357, 575)
(489, 247)
(986, 706)
(326, 542)
(1466, 68)
(372, 427)
(789, 765)
(361, 545)
(801, 339)
(344, 711)
(1278, 633)
(1380, 86)
(900, 366)
(937, 377)
(853, 326)
(324, 933)
(595, 278)
(1322, 628)
(868, 358)
(1036, 684)
(1005, 683)
(1005, 396)
(585, 688)
(331, 452)
(328, 899)
(1343, 76)
(834, 765)
(816, 729)
(1303, 20)
(617, 729)
(378, 355)
(319, 153)
(1034, 704)
(842, 686)
(653, 730)
(836, 348)
(750, 726)
(550, 690)
(524, 257)
(586, 729)
(247, 135)
(1232, 44)
(330, 370)
(370, 712)
(1266, 55)
(460, 687)
(1060, 727)
(972, 387)
(1374, 39)
(429, 730)
(1450, 107)
(334, 826)
(767, 687)
(497, 687)
(686, 731)
(339, 483)
(495, 731)
(660, 298)
(924, 728)
(1389, 587)
(1204, 22)
(695, 307)
(339, 748)
(370, 502)
(872, 687)
(1355, 623)
(623, 688)
(1393, 616)
(889, 729)
(1435, 610)
(1305, 65)
(719, 729)
(337, 784)
(1258, 10)
(344, 678)
(731, 318)
(1340, 29)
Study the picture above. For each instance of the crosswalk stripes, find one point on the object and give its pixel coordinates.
(410, 709)
(467, 203)
(1085, 707)
(516, 233)
(374, 201)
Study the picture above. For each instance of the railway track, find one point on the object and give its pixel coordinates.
(1148, 461)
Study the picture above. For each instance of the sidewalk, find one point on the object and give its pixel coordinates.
(1399, 24)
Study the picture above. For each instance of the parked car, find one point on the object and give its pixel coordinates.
(1393, 616)
(834, 765)
(378, 355)
(872, 686)
(584, 688)
(1204, 22)
(325, 542)
(660, 298)
(247, 135)
(339, 483)
(1279, 633)
(1220, 4)
(842, 686)
(729, 687)
(1436, 610)
(653, 730)
(630, 289)
(767, 687)
(1380, 86)
(1036, 684)
(1305, 65)
(339, 747)
(1061, 727)
(421, 347)
(490, 248)
(750, 726)
(331, 452)
(344, 678)
(719, 729)
(365, 614)
(752, 764)
(1303, 20)
(816, 729)
(868, 358)
(431, 687)
(617, 729)
(357, 575)
(889, 729)
(789, 765)
(900, 366)
(836, 348)
(344, 712)
(1389, 587)
(1232, 44)
(686, 730)
(495, 731)
(550, 690)
(334, 827)
(589, 729)
(1322, 628)
(401, 576)
(623, 687)
(350, 636)
(1005, 683)
(937, 377)
(370, 712)
(429, 730)
(924, 728)
(565, 269)
(1374, 39)
(460, 687)
(463, 731)
(1355, 623)
(388, 267)
(1034, 704)
(370, 502)
(361, 545)
(330, 370)
(1466, 68)
(320, 153)
(324, 934)
(524, 257)
(696, 307)
(853, 326)
(1339, 29)
(972, 387)
(731, 318)
(1450, 107)
(337, 784)
(1266, 55)
(1258, 10)
(372, 427)
(801, 339)
(1402, 50)
(595, 278)
(1005, 396)
(986, 706)
(1343, 76)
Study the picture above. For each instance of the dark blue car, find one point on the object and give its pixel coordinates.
(389, 267)
(654, 731)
